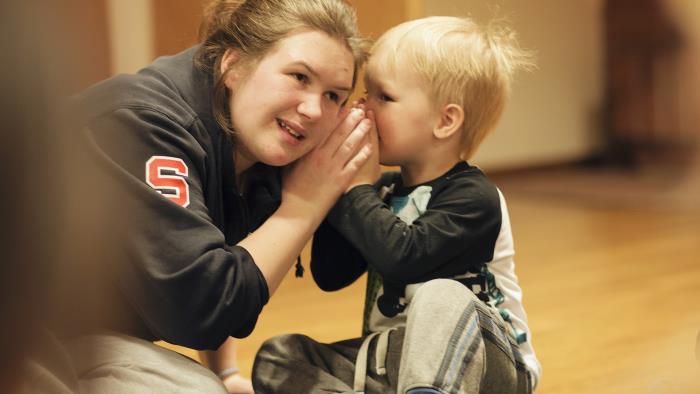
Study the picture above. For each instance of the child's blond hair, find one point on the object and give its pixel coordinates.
(460, 63)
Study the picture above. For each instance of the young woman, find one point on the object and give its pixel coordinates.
(191, 148)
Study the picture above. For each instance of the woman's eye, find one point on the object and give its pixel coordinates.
(300, 77)
(333, 96)
(385, 97)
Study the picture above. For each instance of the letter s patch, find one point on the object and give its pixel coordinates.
(167, 175)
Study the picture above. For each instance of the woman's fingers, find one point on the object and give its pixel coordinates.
(373, 135)
(324, 173)
(359, 104)
(354, 140)
(356, 162)
(338, 136)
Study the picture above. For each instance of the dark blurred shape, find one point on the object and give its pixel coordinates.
(642, 121)
(50, 51)
(23, 152)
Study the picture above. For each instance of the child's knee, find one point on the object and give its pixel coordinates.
(283, 345)
(443, 291)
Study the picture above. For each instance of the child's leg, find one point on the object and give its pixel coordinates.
(502, 357)
(455, 344)
(298, 364)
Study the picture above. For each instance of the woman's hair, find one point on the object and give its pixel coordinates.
(254, 27)
(458, 62)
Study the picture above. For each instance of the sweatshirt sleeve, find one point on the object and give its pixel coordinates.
(460, 219)
(187, 285)
(335, 262)
(503, 268)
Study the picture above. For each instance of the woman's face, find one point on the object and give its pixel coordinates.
(290, 99)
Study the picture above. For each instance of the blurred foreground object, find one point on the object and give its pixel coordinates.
(53, 232)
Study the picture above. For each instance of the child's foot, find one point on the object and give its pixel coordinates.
(420, 390)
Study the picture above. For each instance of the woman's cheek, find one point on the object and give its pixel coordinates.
(325, 128)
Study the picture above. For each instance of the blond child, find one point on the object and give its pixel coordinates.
(443, 311)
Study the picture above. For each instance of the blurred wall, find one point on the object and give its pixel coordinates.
(375, 18)
(553, 115)
(176, 24)
(131, 27)
(687, 15)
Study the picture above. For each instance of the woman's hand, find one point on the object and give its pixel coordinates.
(310, 187)
(237, 384)
(370, 172)
(314, 182)
(223, 363)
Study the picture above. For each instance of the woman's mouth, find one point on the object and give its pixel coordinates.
(298, 136)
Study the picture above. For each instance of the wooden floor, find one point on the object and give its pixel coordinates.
(612, 293)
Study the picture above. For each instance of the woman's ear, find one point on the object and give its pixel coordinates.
(228, 59)
(450, 121)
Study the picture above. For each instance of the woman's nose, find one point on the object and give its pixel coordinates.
(310, 107)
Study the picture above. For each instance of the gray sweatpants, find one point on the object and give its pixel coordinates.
(112, 363)
(452, 343)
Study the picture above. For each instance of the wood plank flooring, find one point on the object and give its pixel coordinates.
(613, 297)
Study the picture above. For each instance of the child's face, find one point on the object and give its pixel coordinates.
(405, 117)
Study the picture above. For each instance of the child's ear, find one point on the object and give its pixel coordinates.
(450, 121)
(228, 59)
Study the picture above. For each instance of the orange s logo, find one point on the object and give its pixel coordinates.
(167, 175)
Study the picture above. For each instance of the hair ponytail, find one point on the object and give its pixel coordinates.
(215, 15)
